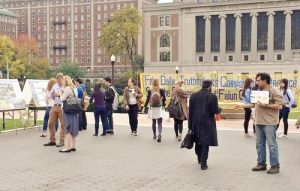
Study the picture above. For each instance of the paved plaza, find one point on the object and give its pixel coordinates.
(124, 162)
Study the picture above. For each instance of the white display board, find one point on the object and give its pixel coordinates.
(11, 96)
(262, 96)
(34, 91)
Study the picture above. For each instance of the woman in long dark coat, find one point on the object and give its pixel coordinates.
(203, 107)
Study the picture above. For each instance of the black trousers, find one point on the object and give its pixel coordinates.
(84, 122)
(109, 110)
(247, 119)
(178, 126)
(133, 117)
(284, 114)
(202, 153)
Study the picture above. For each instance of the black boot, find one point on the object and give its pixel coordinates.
(204, 166)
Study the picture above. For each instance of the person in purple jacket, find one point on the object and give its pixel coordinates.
(98, 97)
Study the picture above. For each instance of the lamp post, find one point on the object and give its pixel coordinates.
(112, 60)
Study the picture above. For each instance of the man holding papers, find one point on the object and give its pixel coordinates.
(267, 102)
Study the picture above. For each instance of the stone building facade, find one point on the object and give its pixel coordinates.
(8, 23)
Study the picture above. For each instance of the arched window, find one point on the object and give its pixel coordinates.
(164, 41)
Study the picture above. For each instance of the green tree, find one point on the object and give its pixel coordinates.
(39, 69)
(120, 34)
(71, 69)
(8, 56)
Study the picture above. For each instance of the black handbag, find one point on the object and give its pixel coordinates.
(175, 108)
(72, 105)
(188, 141)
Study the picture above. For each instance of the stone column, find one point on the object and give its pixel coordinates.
(254, 37)
(207, 54)
(270, 56)
(238, 37)
(223, 38)
(288, 35)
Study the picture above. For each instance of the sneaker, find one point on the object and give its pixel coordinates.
(154, 137)
(132, 133)
(43, 135)
(204, 166)
(50, 144)
(259, 167)
(135, 133)
(283, 136)
(60, 145)
(179, 137)
(159, 138)
(248, 135)
(273, 170)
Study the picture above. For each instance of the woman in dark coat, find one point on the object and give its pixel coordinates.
(203, 107)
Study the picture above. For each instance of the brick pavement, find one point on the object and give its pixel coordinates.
(123, 162)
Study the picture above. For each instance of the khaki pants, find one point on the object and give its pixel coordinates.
(56, 112)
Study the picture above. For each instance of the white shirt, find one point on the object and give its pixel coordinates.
(132, 98)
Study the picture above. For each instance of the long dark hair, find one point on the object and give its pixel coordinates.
(97, 88)
(247, 85)
(286, 85)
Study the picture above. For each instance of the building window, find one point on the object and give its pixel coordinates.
(161, 21)
(165, 56)
(246, 58)
(262, 31)
(165, 40)
(279, 57)
(200, 58)
(200, 34)
(279, 30)
(296, 29)
(230, 58)
(215, 58)
(215, 33)
(246, 32)
(167, 21)
(262, 57)
(230, 33)
(164, 21)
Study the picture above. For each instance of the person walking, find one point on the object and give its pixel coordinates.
(132, 101)
(288, 99)
(202, 123)
(71, 120)
(181, 96)
(50, 104)
(109, 100)
(266, 120)
(56, 113)
(156, 98)
(98, 97)
(246, 93)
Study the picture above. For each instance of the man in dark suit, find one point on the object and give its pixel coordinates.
(203, 107)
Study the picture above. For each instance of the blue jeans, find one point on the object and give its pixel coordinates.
(100, 111)
(266, 133)
(46, 119)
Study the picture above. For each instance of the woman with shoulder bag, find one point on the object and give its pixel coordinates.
(157, 100)
(71, 120)
(133, 103)
(289, 100)
(181, 96)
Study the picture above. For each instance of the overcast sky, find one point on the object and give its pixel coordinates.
(165, 1)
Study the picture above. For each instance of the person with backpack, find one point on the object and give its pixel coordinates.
(156, 98)
(133, 103)
(80, 94)
(111, 99)
(179, 96)
(289, 101)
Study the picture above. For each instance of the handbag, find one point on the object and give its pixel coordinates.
(175, 108)
(72, 105)
(294, 105)
(188, 141)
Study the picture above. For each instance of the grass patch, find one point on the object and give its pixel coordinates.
(294, 115)
(9, 124)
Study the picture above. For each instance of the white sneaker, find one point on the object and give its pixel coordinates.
(283, 136)
(179, 137)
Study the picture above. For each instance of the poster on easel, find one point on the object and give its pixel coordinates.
(34, 92)
(11, 96)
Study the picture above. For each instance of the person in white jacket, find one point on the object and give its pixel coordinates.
(289, 100)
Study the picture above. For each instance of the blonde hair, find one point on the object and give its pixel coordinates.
(179, 83)
(59, 76)
(50, 84)
(155, 85)
(69, 82)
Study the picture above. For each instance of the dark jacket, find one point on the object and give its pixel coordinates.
(109, 96)
(98, 98)
(203, 107)
(162, 94)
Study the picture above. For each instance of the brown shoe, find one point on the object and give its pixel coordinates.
(50, 144)
(259, 167)
(273, 170)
